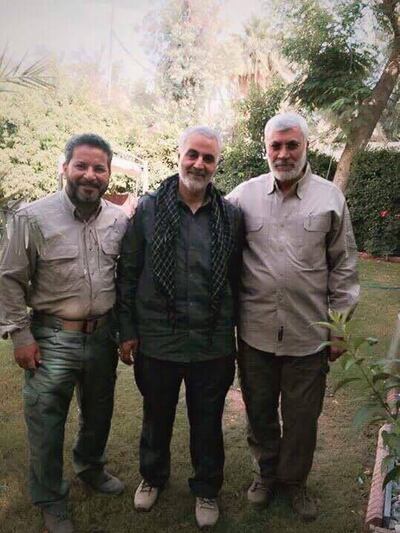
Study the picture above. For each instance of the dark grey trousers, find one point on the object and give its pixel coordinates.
(282, 454)
(69, 360)
(206, 383)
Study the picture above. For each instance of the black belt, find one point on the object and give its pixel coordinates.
(87, 325)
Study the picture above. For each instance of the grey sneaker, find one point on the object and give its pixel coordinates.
(207, 512)
(145, 496)
(102, 481)
(259, 493)
(57, 523)
(303, 504)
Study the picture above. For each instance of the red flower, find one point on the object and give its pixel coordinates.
(383, 214)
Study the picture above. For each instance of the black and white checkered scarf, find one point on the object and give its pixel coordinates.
(166, 231)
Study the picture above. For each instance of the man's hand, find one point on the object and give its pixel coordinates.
(28, 357)
(335, 351)
(127, 351)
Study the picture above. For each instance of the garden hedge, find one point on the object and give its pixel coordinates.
(373, 196)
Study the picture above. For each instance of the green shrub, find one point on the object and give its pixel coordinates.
(322, 164)
(374, 201)
(243, 155)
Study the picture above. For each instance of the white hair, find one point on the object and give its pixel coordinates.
(205, 131)
(286, 121)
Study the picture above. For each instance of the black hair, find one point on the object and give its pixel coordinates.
(90, 139)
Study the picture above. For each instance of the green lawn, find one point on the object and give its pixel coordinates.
(340, 477)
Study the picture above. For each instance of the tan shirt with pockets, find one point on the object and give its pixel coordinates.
(58, 264)
(300, 259)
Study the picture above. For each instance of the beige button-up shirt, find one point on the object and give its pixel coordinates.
(300, 259)
(58, 264)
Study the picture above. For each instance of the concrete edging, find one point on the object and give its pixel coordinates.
(374, 512)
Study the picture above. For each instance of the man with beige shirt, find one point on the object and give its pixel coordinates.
(60, 261)
(299, 261)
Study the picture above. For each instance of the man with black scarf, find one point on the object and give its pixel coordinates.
(178, 278)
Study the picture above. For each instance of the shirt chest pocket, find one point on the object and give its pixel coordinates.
(256, 229)
(111, 247)
(110, 250)
(318, 223)
(59, 265)
(313, 243)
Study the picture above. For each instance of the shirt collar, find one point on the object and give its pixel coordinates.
(71, 208)
(299, 187)
(270, 183)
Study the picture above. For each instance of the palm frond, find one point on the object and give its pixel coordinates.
(34, 75)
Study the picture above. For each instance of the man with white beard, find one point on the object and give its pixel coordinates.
(299, 262)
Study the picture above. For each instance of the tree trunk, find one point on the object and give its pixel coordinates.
(343, 168)
(370, 111)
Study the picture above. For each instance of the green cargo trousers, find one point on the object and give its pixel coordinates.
(298, 385)
(69, 359)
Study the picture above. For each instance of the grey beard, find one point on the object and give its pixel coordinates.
(290, 175)
(193, 185)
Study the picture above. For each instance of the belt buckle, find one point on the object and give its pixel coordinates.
(89, 326)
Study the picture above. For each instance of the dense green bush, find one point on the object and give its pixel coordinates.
(374, 201)
(34, 127)
(322, 164)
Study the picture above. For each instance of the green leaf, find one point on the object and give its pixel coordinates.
(357, 342)
(344, 382)
(349, 363)
(387, 463)
(392, 383)
(392, 475)
(392, 441)
(367, 413)
(380, 377)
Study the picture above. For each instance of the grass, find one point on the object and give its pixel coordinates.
(340, 477)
